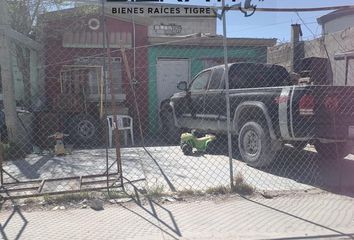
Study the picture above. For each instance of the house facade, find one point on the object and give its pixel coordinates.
(162, 50)
(337, 21)
(329, 59)
(338, 38)
(75, 48)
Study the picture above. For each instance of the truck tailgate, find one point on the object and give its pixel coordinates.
(334, 112)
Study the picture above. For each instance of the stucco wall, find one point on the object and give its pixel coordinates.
(280, 54)
(327, 46)
(186, 26)
(18, 79)
(337, 43)
(338, 24)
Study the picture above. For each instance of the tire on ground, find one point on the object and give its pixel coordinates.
(255, 144)
(83, 129)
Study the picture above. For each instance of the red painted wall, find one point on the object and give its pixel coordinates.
(56, 56)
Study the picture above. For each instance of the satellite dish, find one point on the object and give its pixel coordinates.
(94, 24)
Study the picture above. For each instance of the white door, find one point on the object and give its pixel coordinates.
(169, 73)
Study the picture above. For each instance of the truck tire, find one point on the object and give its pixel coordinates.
(255, 145)
(170, 132)
(83, 129)
(332, 150)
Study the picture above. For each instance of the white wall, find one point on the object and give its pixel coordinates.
(189, 25)
(338, 43)
(339, 24)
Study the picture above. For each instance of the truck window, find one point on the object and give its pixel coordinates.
(216, 78)
(255, 75)
(201, 81)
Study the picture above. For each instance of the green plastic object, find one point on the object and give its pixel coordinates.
(189, 141)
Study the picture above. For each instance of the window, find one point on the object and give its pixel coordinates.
(85, 80)
(255, 75)
(94, 75)
(216, 78)
(201, 81)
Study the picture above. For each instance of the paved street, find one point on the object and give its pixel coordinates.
(297, 215)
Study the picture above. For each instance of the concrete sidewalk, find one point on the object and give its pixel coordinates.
(297, 216)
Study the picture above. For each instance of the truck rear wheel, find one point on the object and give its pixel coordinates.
(332, 150)
(255, 145)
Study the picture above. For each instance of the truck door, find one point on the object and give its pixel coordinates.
(195, 97)
(214, 100)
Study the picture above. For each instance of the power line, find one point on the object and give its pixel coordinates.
(308, 28)
(269, 25)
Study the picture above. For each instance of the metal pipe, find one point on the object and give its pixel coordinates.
(41, 186)
(227, 90)
(103, 17)
(115, 117)
(62, 192)
(1, 162)
(58, 193)
(8, 174)
(62, 178)
(134, 50)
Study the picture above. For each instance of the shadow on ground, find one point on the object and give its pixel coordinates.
(306, 167)
(166, 221)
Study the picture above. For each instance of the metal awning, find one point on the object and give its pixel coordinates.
(343, 55)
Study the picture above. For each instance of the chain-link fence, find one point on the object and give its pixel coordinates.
(104, 103)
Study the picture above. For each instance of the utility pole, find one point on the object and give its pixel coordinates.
(8, 91)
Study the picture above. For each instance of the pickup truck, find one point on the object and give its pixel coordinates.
(267, 111)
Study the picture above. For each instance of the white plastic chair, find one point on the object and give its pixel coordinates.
(125, 123)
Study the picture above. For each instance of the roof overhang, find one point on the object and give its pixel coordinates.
(213, 41)
(23, 39)
(92, 11)
(343, 55)
(335, 14)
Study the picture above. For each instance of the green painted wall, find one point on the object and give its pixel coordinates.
(196, 55)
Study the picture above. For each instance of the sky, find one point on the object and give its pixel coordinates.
(272, 25)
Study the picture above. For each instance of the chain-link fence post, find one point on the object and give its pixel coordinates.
(226, 78)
